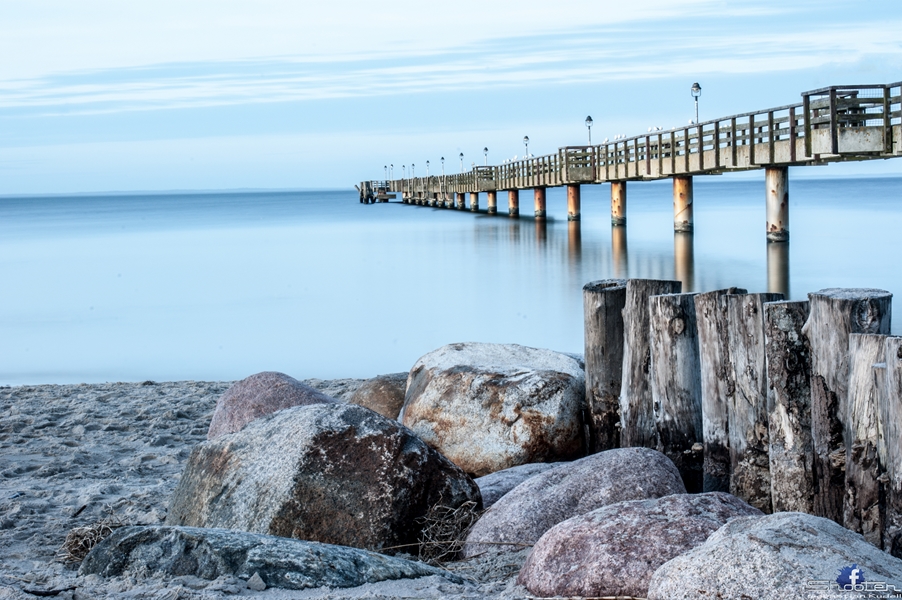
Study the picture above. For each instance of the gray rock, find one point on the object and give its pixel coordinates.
(494, 485)
(773, 558)
(525, 513)
(489, 407)
(383, 394)
(614, 550)
(262, 559)
(259, 395)
(333, 473)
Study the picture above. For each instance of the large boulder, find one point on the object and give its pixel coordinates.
(614, 550)
(259, 395)
(525, 513)
(784, 555)
(488, 407)
(494, 485)
(212, 553)
(334, 473)
(383, 394)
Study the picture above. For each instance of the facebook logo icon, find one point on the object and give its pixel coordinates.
(851, 576)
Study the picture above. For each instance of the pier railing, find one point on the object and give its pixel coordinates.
(830, 124)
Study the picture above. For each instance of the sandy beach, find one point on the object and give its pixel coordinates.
(71, 455)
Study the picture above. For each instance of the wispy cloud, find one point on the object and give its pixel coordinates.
(595, 54)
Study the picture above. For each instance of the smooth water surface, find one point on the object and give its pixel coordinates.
(218, 286)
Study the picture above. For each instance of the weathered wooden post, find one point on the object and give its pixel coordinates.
(461, 201)
(618, 203)
(891, 418)
(716, 385)
(676, 384)
(791, 451)
(474, 201)
(603, 303)
(573, 202)
(748, 418)
(864, 507)
(834, 314)
(637, 415)
(539, 194)
(513, 203)
(776, 184)
(682, 204)
(492, 200)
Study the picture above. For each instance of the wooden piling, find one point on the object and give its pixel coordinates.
(474, 201)
(891, 418)
(637, 417)
(461, 201)
(684, 259)
(716, 386)
(682, 204)
(791, 451)
(539, 194)
(835, 313)
(513, 203)
(778, 268)
(675, 384)
(864, 499)
(603, 303)
(492, 201)
(776, 184)
(573, 202)
(618, 203)
(619, 251)
(748, 417)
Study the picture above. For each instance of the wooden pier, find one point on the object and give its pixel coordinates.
(833, 124)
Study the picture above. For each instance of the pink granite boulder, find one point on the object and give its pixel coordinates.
(259, 395)
(615, 550)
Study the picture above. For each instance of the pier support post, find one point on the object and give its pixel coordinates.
(539, 194)
(618, 203)
(492, 202)
(573, 202)
(461, 201)
(776, 183)
(682, 204)
(513, 203)
(474, 201)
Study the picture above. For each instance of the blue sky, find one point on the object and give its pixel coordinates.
(118, 96)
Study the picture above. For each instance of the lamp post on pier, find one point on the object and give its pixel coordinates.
(391, 171)
(589, 126)
(461, 162)
(526, 143)
(386, 172)
(427, 169)
(696, 91)
(485, 153)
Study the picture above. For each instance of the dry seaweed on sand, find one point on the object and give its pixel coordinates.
(445, 531)
(81, 540)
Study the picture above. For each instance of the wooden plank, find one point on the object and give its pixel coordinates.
(716, 387)
(792, 134)
(636, 405)
(891, 419)
(748, 419)
(863, 510)
(676, 385)
(835, 313)
(603, 303)
(791, 451)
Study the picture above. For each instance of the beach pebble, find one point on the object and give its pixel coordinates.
(230, 557)
(334, 473)
(523, 515)
(383, 394)
(259, 395)
(488, 407)
(494, 485)
(776, 557)
(256, 583)
(614, 550)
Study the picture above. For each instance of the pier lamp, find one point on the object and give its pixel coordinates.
(403, 171)
(443, 167)
(391, 171)
(413, 170)
(696, 91)
(386, 172)
(461, 162)
(589, 126)
(485, 152)
(427, 168)
(526, 143)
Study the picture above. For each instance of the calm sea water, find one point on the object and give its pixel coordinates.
(218, 286)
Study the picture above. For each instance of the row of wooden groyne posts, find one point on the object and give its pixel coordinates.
(790, 405)
(837, 123)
